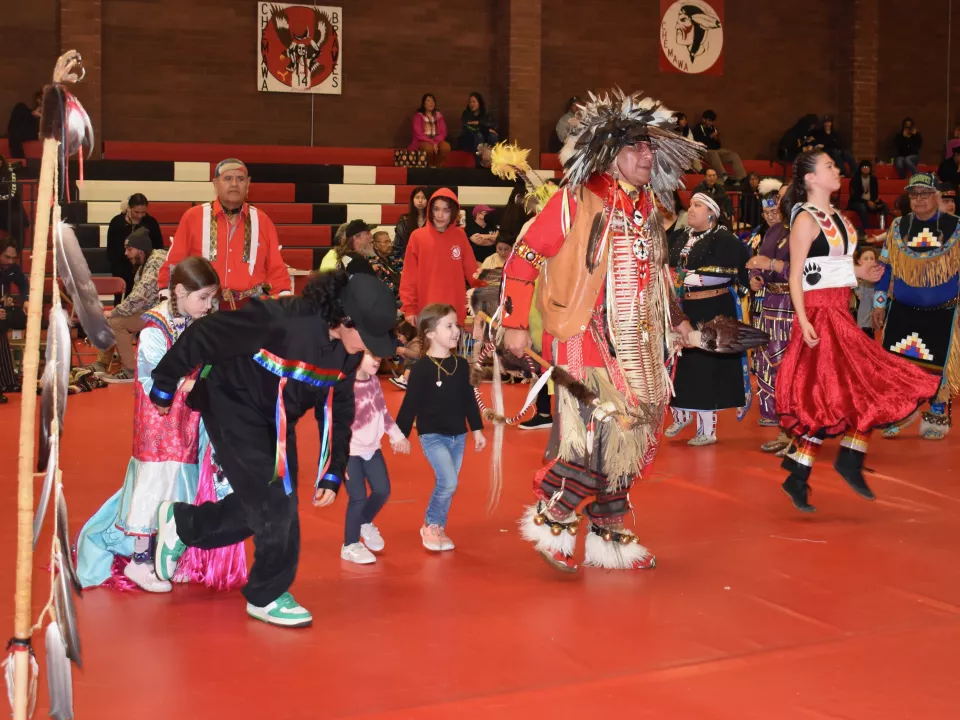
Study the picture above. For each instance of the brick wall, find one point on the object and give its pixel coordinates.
(28, 52)
(201, 58)
(184, 70)
(913, 73)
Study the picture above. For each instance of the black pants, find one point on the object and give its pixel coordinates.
(15, 320)
(258, 506)
(362, 508)
(543, 401)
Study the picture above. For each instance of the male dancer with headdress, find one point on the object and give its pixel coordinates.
(236, 237)
(770, 271)
(607, 306)
(916, 300)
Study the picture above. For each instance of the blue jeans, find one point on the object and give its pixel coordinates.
(906, 165)
(445, 455)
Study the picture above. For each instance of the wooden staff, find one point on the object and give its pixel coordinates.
(28, 420)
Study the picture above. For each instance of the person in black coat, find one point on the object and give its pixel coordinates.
(801, 135)
(134, 216)
(865, 194)
(24, 125)
(830, 142)
(265, 366)
(477, 127)
(907, 144)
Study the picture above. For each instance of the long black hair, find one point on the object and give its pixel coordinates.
(482, 110)
(413, 215)
(796, 194)
(423, 102)
(323, 292)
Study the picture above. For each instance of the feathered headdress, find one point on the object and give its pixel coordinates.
(604, 125)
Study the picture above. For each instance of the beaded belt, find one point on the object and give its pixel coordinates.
(945, 306)
(704, 294)
(778, 288)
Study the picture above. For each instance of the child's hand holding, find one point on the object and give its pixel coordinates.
(479, 441)
(401, 447)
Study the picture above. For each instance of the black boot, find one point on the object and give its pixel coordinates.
(796, 485)
(849, 464)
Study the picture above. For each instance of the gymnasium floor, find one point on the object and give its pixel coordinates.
(754, 610)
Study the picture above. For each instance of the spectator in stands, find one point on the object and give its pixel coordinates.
(907, 144)
(387, 265)
(567, 120)
(865, 194)
(949, 170)
(250, 265)
(751, 210)
(125, 319)
(708, 135)
(953, 142)
(796, 138)
(355, 250)
(414, 219)
(430, 131)
(482, 232)
(675, 219)
(827, 140)
(24, 125)
(498, 259)
(710, 186)
(477, 127)
(133, 215)
(683, 127)
(948, 198)
(13, 311)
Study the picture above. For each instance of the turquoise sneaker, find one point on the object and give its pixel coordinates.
(284, 611)
(169, 546)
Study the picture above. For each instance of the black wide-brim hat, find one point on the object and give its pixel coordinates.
(372, 308)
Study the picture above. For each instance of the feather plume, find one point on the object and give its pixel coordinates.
(8, 675)
(59, 675)
(52, 463)
(81, 289)
(56, 371)
(507, 160)
(606, 124)
(769, 186)
(63, 535)
(66, 611)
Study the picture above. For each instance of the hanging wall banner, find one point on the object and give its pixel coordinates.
(691, 36)
(300, 48)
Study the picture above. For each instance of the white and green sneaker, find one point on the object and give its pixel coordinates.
(284, 611)
(169, 545)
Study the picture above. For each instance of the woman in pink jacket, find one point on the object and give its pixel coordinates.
(430, 131)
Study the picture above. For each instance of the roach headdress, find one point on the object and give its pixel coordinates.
(606, 124)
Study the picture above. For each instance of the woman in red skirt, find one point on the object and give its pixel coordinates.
(834, 380)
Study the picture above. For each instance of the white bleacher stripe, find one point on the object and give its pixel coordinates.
(102, 212)
(103, 235)
(359, 175)
(372, 214)
(195, 171)
(493, 196)
(362, 194)
(156, 191)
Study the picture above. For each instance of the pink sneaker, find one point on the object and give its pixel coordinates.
(432, 536)
(445, 541)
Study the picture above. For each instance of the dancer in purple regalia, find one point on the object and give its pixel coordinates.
(769, 270)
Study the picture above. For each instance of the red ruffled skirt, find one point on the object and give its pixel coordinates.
(847, 382)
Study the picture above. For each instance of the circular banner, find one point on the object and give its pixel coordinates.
(691, 36)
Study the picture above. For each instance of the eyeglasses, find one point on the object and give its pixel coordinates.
(926, 195)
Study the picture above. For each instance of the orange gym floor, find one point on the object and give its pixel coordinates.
(754, 610)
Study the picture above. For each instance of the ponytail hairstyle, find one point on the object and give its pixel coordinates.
(194, 273)
(322, 294)
(796, 194)
(430, 317)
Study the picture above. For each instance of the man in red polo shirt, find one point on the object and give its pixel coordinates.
(238, 239)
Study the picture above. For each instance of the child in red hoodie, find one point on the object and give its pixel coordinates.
(439, 264)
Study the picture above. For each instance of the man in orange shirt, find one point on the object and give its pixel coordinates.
(239, 240)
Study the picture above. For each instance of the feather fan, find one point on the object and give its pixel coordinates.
(66, 611)
(81, 289)
(63, 534)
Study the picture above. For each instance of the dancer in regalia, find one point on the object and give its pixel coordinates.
(710, 267)
(770, 270)
(916, 300)
(607, 308)
(168, 449)
(834, 380)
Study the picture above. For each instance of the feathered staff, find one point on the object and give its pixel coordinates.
(65, 130)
